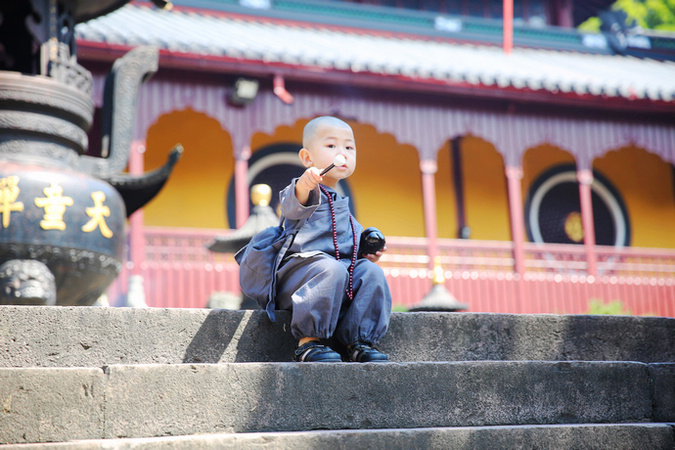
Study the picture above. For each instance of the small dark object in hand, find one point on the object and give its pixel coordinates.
(372, 241)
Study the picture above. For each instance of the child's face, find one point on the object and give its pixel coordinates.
(328, 142)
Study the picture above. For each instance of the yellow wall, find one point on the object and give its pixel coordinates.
(194, 195)
(281, 134)
(646, 185)
(538, 160)
(485, 194)
(386, 187)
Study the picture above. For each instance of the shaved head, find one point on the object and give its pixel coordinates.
(309, 131)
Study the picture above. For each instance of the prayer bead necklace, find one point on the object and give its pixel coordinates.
(350, 290)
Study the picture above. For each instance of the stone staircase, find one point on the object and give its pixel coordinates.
(96, 377)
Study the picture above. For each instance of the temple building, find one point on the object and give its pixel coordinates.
(532, 164)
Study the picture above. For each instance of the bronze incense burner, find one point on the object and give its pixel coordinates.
(63, 212)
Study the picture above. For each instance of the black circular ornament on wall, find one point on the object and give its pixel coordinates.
(553, 209)
(275, 165)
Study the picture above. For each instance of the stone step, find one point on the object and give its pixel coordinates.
(98, 336)
(137, 401)
(588, 436)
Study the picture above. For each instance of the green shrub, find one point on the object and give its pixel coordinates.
(597, 306)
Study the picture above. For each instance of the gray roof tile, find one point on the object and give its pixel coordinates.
(314, 45)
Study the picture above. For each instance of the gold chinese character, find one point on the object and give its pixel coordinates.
(97, 214)
(54, 205)
(9, 192)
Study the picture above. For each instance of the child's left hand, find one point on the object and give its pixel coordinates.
(375, 257)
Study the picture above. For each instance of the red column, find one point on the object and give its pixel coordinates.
(508, 26)
(136, 220)
(428, 169)
(241, 190)
(585, 177)
(513, 177)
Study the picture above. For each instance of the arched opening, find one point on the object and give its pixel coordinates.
(387, 186)
(485, 195)
(646, 184)
(194, 195)
(450, 205)
(541, 158)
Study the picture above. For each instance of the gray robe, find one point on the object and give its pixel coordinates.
(312, 283)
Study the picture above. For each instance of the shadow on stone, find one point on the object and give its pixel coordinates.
(241, 336)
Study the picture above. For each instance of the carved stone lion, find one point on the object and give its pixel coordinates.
(26, 282)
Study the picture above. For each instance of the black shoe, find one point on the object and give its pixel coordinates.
(312, 351)
(362, 352)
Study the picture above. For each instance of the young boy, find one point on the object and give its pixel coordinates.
(329, 289)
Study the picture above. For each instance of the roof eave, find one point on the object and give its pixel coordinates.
(107, 52)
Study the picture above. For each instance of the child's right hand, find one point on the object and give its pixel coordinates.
(312, 177)
(307, 182)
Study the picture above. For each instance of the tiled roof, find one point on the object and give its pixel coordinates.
(330, 48)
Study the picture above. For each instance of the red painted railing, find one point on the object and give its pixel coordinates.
(179, 271)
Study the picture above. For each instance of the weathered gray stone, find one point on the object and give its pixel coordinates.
(663, 391)
(548, 337)
(158, 381)
(64, 336)
(161, 400)
(543, 437)
(75, 336)
(42, 405)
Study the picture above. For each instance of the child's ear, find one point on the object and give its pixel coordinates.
(305, 157)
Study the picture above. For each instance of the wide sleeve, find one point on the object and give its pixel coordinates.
(291, 207)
